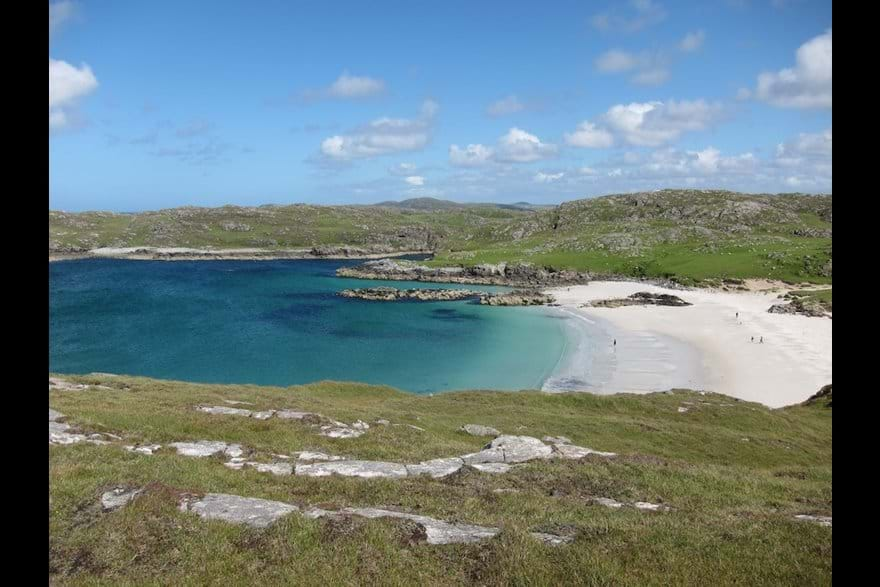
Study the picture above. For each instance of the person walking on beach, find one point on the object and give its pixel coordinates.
(762, 340)
(615, 343)
(753, 339)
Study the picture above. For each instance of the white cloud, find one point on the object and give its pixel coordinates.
(588, 135)
(67, 84)
(655, 123)
(505, 106)
(616, 61)
(640, 14)
(542, 177)
(651, 77)
(807, 84)
(648, 67)
(807, 151)
(518, 146)
(416, 180)
(471, 156)
(383, 136)
(350, 86)
(692, 41)
(60, 13)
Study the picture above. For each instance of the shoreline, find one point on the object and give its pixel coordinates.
(701, 347)
(190, 254)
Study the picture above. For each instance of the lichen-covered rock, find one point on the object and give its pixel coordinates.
(254, 512)
(496, 468)
(207, 448)
(118, 497)
(519, 449)
(436, 468)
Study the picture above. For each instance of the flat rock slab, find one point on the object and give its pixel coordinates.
(651, 507)
(571, 451)
(340, 432)
(436, 468)
(225, 411)
(479, 430)
(54, 416)
(274, 468)
(118, 497)
(519, 449)
(293, 415)
(63, 384)
(608, 502)
(437, 531)
(207, 448)
(251, 511)
(821, 520)
(365, 469)
(488, 455)
(306, 455)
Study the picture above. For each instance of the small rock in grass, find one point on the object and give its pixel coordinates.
(479, 430)
(118, 497)
(207, 448)
(147, 449)
(651, 507)
(608, 502)
(552, 539)
(821, 520)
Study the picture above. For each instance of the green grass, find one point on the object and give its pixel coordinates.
(732, 499)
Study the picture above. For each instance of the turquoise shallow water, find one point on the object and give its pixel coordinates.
(281, 323)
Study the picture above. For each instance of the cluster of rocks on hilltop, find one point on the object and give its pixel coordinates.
(521, 274)
(392, 294)
(642, 298)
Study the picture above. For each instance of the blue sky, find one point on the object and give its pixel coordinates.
(160, 104)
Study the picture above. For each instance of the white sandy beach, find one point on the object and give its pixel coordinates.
(704, 346)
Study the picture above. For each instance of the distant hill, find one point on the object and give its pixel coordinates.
(689, 235)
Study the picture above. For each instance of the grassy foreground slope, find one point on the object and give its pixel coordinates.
(733, 473)
(690, 235)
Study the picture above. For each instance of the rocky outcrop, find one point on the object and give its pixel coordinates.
(642, 298)
(524, 274)
(804, 307)
(823, 396)
(517, 298)
(392, 294)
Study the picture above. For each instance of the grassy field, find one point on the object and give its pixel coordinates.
(733, 475)
(689, 235)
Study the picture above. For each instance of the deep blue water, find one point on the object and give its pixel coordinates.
(281, 323)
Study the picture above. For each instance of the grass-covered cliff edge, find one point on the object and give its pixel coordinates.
(689, 235)
(732, 474)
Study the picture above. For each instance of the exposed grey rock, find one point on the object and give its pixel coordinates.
(491, 467)
(552, 539)
(118, 497)
(54, 416)
(437, 531)
(237, 403)
(519, 449)
(360, 425)
(223, 410)
(207, 448)
(317, 456)
(383, 422)
(608, 502)
(365, 469)
(571, 451)
(292, 415)
(821, 520)
(683, 410)
(393, 294)
(517, 298)
(556, 440)
(64, 385)
(436, 468)
(262, 415)
(489, 455)
(343, 431)
(652, 507)
(258, 513)
(147, 449)
(479, 430)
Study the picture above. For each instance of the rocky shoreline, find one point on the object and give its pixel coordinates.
(253, 254)
(393, 294)
(642, 298)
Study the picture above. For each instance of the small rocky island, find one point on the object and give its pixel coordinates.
(393, 294)
(642, 298)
